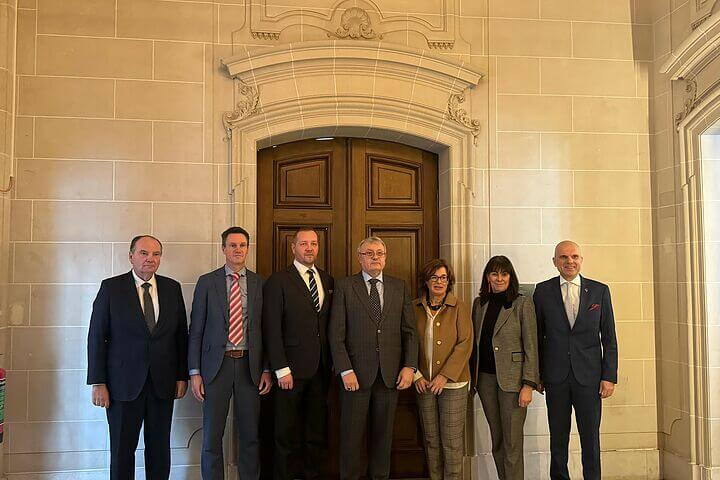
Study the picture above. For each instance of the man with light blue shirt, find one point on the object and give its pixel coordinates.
(225, 357)
(374, 347)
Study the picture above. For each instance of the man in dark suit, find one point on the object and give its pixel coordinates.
(374, 349)
(295, 314)
(137, 359)
(225, 357)
(578, 358)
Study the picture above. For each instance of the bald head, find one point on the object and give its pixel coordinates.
(568, 259)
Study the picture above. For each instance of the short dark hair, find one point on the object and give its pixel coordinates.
(500, 264)
(429, 269)
(304, 229)
(137, 238)
(232, 230)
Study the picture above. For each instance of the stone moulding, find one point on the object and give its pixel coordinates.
(460, 115)
(247, 104)
(355, 21)
(701, 10)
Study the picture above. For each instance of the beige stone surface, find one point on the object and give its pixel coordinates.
(535, 113)
(163, 182)
(518, 75)
(610, 115)
(94, 57)
(93, 139)
(529, 37)
(61, 262)
(158, 100)
(89, 221)
(196, 225)
(26, 31)
(587, 77)
(580, 151)
(77, 17)
(181, 61)
(600, 226)
(58, 96)
(518, 150)
(611, 189)
(165, 20)
(59, 305)
(64, 179)
(177, 142)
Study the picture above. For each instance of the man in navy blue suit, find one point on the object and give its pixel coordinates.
(137, 359)
(578, 358)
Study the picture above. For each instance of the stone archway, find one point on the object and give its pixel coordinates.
(373, 90)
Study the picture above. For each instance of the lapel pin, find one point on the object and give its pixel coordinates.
(586, 290)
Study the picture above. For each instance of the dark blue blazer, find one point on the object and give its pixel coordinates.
(590, 348)
(210, 324)
(121, 349)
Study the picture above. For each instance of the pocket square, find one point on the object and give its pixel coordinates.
(594, 306)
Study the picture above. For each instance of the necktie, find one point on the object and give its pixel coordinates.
(236, 311)
(314, 290)
(570, 302)
(148, 307)
(375, 309)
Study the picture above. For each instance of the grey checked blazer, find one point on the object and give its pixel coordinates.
(358, 343)
(514, 341)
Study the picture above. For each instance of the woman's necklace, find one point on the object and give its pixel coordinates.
(432, 307)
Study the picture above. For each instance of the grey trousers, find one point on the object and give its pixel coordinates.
(506, 420)
(233, 380)
(443, 422)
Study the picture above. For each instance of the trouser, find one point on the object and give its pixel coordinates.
(124, 421)
(443, 422)
(585, 399)
(232, 380)
(372, 408)
(301, 428)
(506, 419)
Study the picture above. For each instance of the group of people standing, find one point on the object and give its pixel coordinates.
(301, 326)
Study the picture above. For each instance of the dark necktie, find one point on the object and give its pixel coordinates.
(375, 308)
(148, 307)
(314, 290)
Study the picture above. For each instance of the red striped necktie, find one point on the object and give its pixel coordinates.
(236, 311)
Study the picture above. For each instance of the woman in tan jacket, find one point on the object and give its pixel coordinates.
(445, 334)
(504, 363)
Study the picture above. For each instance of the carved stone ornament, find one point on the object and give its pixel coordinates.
(700, 10)
(460, 115)
(247, 105)
(355, 24)
(691, 100)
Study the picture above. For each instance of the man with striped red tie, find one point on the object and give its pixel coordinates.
(225, 357)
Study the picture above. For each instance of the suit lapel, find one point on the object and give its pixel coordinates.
(221, 291)
(163, 299)
(253, 286)
(132, 294)
(584, 295)
(390, 296)
(300, 284)
(557, 295)
(361, 292)
(481, 319)
(325, 279)
(502, 318)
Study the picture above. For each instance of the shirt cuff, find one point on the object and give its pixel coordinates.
(194, 371)
(281, 372)
(417, 375)
(346, 372)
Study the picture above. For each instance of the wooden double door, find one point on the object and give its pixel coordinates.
(348, 189)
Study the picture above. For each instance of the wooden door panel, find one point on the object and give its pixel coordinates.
(303, 182)
(393, 184)
(404, 246)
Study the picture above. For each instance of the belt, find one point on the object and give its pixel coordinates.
(236, 353)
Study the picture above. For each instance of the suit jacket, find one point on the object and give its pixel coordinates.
(295, 334)
(452, 339)
(210, 324)
(360, 344)
(590, 348)
(514, 344)
(121, 349)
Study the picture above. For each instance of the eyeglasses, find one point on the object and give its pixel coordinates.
(440, 279)
(371, 254)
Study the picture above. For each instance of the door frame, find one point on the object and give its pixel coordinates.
(267, 112)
